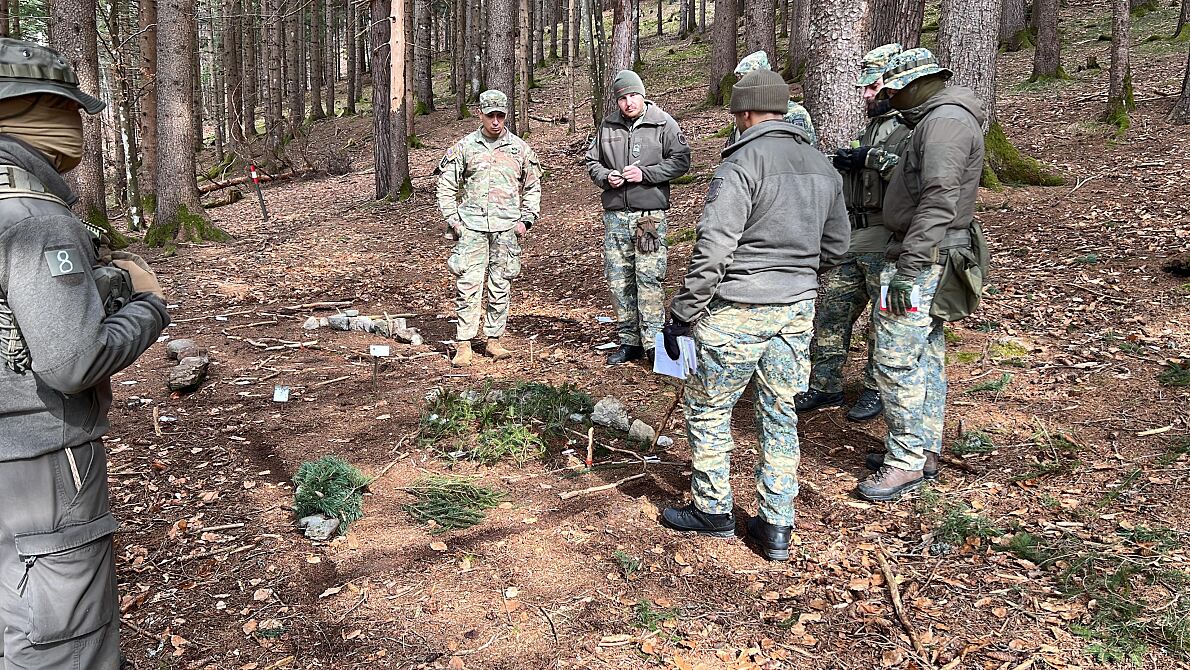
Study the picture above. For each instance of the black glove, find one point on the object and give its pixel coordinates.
(647, 239)
(671, 332)
(851, 160)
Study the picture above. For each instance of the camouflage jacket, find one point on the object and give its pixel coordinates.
(795, 114)
(489, 185)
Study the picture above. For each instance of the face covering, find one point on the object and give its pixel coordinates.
(918, 92)
(49, 123)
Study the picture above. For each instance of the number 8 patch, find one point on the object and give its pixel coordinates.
(64, 262)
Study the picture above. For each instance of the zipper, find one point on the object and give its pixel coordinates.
(29, 561)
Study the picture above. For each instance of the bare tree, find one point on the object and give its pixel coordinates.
(500, 62)
(423, 58)
(1181, 110)
(391, 149)
(1119, 87)
(524, 64)
(250, 72)
(967, 32)
(459, 63)
(799, 40)
(274, 32)
(295, 85)
(148, 101)
(760, 27)
(352, 67)
(317, 45)
(723, 54)
(834, 101)
(1014, 25)
(1047, 58)
(896, 21)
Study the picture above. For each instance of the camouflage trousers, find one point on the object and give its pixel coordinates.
(845, 293)
(910, 373)
(635, 277)
(734, 342)
(500, 255)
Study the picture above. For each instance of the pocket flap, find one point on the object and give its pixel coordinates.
(65, 538)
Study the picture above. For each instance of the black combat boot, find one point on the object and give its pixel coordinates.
(691, 519)
(867, 406)
(626, 352)
(813, 399)
(773, 541)
(875, 460)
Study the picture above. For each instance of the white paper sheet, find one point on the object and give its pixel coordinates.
(685, 364)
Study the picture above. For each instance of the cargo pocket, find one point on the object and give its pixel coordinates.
(67, 583)
(510, 259)
(455, 262)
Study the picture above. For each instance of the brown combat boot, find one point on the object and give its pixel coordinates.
(875, 459)
(497, 350)
(463, 355)
(889, 483)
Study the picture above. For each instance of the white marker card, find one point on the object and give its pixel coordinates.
(280, 393)
(379, 350)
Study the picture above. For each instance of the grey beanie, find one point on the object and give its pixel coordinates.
(626, 82)
(760, 91)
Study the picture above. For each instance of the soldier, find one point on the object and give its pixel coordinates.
(489, 192)
(774, 218)
(62, 337)
(795, 113)
(638, 150)
(847, 289)
(930, 208)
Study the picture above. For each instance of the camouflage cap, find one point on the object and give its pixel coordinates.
(753, 62)
(874, 62)
(911, 65)
(492, 100)
(28, 68)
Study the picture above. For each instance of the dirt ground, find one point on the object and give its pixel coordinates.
(213, 573)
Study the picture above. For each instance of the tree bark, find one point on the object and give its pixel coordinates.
(1183, 19)
(566, 11)
(274, 30)
(554, 13)
(799, 40)
(1013, 24)
(524, 55)
(1181, 110)
(73, 33)
(391, 149)
(967, 31)
(475, 32)
(1047, 58)
(760, 28)
(835, 104)
(500, 59)
(538, 32)
(317, 60)
(1119, 87)
(294, 82)
(660, 18)
(620, 55)
(423, 58)
(331, 55)
(352, 67)
(702, 16)
(723, 55)
(896, 21)
(5, 11)
(458, 58)
(147, 26)
(229, 56)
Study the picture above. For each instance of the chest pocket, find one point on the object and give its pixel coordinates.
(645, 146)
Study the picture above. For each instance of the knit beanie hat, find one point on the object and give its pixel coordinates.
(760, 91)
(626, 82)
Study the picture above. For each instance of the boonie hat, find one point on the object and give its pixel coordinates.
(28, 68)
(873, 64)
(911, 65)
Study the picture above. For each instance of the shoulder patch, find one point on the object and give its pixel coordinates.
(713, 189)
(681, 138)
(64, 261)
(451, 154)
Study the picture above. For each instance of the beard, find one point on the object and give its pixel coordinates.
(878, 108)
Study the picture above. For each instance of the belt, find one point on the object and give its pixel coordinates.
(954, 239)
(861, 219)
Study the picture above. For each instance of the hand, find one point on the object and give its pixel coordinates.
(454, 229)
(615, 179)
(900, 294)
(633, 174)
(647, 239)
(671, 332)
(522, 227)
(851, 160)
(143, 278)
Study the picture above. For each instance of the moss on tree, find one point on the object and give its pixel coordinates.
(1009, 166)
(183, 225)
(1118, 109)
(1183, 34)
(722, 94)
(98, 218)
(1060, 75)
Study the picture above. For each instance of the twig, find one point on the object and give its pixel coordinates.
(551, 623)
(157, 421)
(215, 552)
(330, 381)
(362, 599)
(895, 593)
(668, 414)
(140, 631)
(250, 325)
(596, 489)
(228, 526)
(285, 661)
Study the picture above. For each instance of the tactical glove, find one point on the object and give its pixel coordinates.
(647, 239)
(900, 293)
(144, 280)
(671, 332)
(851, 160)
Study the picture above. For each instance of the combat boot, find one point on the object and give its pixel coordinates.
(889, 483)
(626, 352)
(690, 519)
(496, 350)
(874, 460)
(813, 399)
(867, 406)
(772, 541)
(463, 355)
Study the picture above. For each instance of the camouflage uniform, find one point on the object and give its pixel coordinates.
(797, 114)
(500, 184)
(734, 342)
(911, 373)
(634, 276)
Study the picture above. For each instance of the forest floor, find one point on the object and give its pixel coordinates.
(1054, 538)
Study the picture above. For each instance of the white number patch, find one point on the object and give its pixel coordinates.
(64, 262)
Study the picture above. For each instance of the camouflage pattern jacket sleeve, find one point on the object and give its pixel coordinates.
(451, 171)
(530, 186)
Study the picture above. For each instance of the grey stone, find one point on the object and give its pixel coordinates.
(189, 374)
(641, 432)
(176, 350)
(408, 336)
(361, 324)
(339, 322)
(319, 527)
(578, 417)
(312, 323)
(665, 441)
(611, 413)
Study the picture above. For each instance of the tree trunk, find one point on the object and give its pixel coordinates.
(524, 55)
(759, 27)
(423, 58)
(620, 55)
(566, 11)
(1047, 58)
(835, 104)
(179, 213)
(475, 32)
(723, 56)
(660, 18)
(702, 16)
(147, 26)
(295, 82)
(229, 56)
(538, 32)
(1119, 87)
(555, 10)
(458, 58)
(598, 70)
(352, 67)
(73, 33)
(5, 11)
(571, 26)
(389, 49)
(967, 31)
(783, 30)
(799, 41)
(274, 29)
(500, 59)
(250, 73)
(14, 8)
(317, 60)
(1181, 110)
(1181, 32)
(331, 56)
(215, 48)
(635, 59)
(1014, 24)
(896, 21)
(196, 79)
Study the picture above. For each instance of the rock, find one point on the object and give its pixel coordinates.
(360, 324)
(319, 527)
(312, 323)
(611, 413)
(641, 432)
(577, 417)
(176, 350)
(339, 322)
(189, 374)
(665, 441)
(407, 336)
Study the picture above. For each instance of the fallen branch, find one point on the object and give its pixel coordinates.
(215, 552)
(220, 185)
(668, 414)
(596, 489)
(329, 304)
(894, 592)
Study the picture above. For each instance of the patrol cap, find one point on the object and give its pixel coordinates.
(27, 68)
(757, 60)
(873, 64)
(911, 65)
(492, 100)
